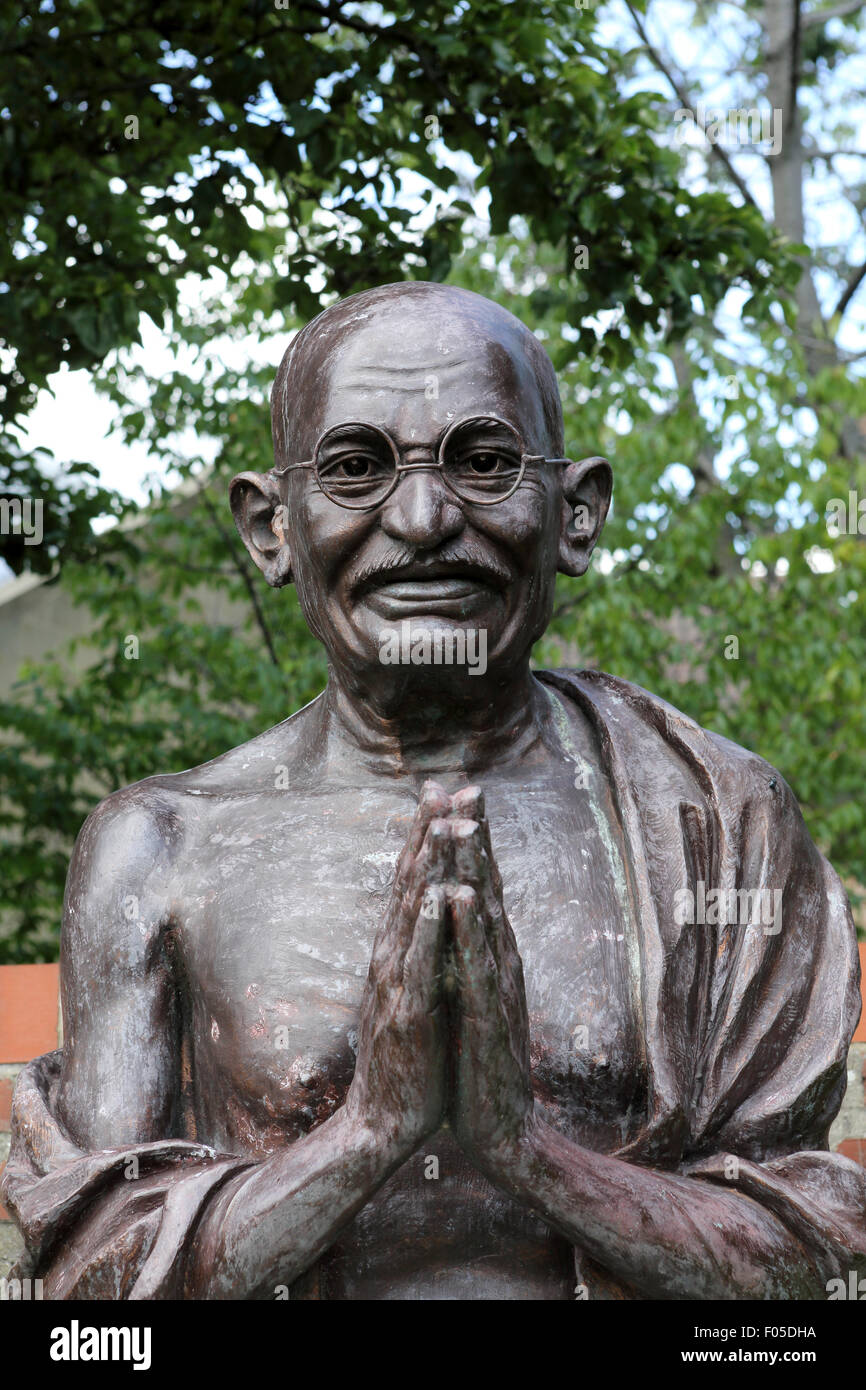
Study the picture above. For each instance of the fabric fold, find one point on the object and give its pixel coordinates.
(745, 1027)
(114, 1224)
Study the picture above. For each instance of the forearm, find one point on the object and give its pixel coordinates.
(666, 1235)
(267, 1226)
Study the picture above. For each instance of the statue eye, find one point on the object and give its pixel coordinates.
(354, 472)
(485, 462)
(494, 466)
(354, 466)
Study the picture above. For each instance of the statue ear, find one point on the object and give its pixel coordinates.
(586, 490)
(262, 520)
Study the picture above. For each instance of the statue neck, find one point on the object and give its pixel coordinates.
(435, 733)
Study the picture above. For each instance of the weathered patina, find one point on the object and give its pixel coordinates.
(397, 1000)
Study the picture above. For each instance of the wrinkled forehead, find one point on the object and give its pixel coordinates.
(414, 369)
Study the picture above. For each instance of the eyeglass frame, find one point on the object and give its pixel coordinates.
(438, 463)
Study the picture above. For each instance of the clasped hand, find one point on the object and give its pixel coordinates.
(443, 1030)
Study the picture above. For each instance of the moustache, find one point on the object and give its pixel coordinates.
(460, 560)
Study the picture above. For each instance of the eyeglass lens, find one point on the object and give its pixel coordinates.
(480, 461)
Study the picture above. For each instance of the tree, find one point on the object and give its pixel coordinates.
(601, 234)
(142, 144)
(726, 583)
(769, 424)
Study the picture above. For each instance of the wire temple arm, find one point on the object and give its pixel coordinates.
(287, 467)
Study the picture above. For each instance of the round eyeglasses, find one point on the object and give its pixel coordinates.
(481, 460)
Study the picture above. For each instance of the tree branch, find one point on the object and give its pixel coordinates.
(241, 569)
(683, 98)
(796, 55)
(855, 279)
(814, 17)
(833, 154)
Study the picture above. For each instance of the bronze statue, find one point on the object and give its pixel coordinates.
(458, 983)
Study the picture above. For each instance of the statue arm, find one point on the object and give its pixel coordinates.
(757, 1208)
(98, 1158)
(120, 1076)
(270, 1224)
(112, 1202)
(104, 1191)
(665, 1234)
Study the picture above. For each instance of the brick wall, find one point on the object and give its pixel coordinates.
(30, 1024)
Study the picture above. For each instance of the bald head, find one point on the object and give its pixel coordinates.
(450, 345)
(424, 365)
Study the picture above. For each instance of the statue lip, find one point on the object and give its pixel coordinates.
(429, 590)
(449, 579)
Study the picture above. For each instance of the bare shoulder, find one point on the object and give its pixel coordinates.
(135, 836)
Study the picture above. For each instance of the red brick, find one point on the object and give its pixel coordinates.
(860, 1035)
(6, 1089)
(853, 1148)
(28, 1011)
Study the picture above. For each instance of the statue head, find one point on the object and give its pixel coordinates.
(419, 478)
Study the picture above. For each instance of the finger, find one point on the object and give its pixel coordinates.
(422, 968)
(395, 932)
(470, 859)
(475, 966)
(474, 865)
(434, 802)
(493, 868)
(435, 862)
(468, 803)
(485, 996)
(432, 865)
(474, 852)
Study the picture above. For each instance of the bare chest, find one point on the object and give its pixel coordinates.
(274, 943)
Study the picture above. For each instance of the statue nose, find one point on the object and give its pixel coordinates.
(421, 510)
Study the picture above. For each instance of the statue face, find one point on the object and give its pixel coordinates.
(413, 366)
(424, 554)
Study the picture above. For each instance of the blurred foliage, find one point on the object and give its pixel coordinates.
(272, 146)
(142, 143)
